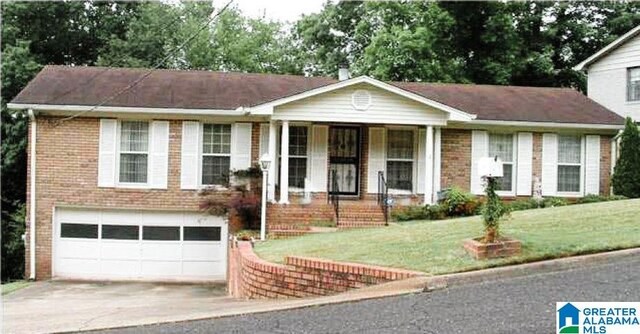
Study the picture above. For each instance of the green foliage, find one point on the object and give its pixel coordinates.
(524, 204)
(233, 43)
(412, 212)
(599, 198)
(493, 210)
(459, 203)
(436, 212)
(552, 202)
(521, 43)
(13, 227)
(626, 174)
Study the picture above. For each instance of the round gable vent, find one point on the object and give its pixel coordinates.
(361, 99)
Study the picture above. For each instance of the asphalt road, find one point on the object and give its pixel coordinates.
(518, 305)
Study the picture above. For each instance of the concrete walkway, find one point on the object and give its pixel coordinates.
(61, 306)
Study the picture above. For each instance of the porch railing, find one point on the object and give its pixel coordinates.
(334, 195)
(383, 196)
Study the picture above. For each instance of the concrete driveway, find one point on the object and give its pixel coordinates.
(59, 306)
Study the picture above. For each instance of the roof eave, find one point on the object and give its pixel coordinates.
(607, 49)
(559, 125)
(132, 110)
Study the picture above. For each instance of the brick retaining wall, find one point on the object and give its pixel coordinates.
(252, 277)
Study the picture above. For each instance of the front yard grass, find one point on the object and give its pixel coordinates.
(435, 247)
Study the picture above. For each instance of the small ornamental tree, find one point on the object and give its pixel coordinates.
(492, 211)
(626, 174)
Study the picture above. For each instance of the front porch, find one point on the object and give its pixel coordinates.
(349, 142)
(334, 172)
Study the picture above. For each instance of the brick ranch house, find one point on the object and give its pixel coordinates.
(114, 173)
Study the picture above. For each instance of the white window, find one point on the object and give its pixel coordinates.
(400, 158)
(569, 163)
(216, 154)
(298, 139)
(501, 145)
(633, 84)
(133, 152)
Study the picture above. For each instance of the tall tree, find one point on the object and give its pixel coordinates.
(35, 34)
(412, 44)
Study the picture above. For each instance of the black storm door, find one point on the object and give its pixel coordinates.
(344, 158)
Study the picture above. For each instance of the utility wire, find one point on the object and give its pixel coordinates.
(108, 67)
(156, 67)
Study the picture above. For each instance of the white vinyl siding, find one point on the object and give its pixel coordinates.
(608, 79)
(502, 146)
(400, 159)
(569, 164)
(216, 154)
(133, 152)
(337, 106)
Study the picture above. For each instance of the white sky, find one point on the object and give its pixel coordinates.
(281, 10)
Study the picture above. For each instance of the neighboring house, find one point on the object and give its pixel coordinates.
(614, 75)
(114, 178)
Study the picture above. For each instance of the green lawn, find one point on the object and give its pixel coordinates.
(8, 288)
(435, 247)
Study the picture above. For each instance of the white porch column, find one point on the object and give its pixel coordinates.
(437, 162)
(284, 164)
(428, 170)
(271, 187)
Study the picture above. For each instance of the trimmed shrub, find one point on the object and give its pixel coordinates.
(524, 204)
(414, 212)
(551, 202)
(436, 212)
(626, 174)
(459, 203)
(599, 198)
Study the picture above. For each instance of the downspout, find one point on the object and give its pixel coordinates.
(32, 197)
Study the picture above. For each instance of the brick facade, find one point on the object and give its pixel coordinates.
(456, 159)
(67, 175)
(253, 277)
(605, 165)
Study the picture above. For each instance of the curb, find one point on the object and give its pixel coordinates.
(520, 270)
(413, 285)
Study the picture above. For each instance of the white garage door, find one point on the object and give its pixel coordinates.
(126, 244)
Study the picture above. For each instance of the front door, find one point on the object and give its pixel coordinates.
(344, 159)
